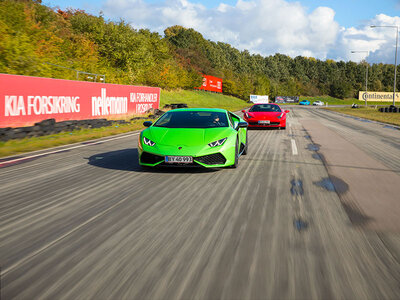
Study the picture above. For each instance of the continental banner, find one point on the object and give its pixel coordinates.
(26, 100)
(378, 96)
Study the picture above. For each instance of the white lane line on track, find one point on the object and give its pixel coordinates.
(294, 147)
(48, 245)
(66, 149)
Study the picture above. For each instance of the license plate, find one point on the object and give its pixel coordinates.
(178, 159)
(263, 122)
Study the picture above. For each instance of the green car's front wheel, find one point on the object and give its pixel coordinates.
(246, 147)
(235, 165)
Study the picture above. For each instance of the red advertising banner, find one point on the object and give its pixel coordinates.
(211, 83)
(25, 100)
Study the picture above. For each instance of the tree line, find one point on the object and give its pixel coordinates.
(37, 40)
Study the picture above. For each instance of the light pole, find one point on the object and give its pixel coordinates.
(366, 73)
(395, 56)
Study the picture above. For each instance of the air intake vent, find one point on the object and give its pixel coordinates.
(212, 159)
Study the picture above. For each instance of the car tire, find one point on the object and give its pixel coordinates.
(235, 165)
(247, 145)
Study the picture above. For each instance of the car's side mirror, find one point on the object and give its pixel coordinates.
(286, 111)
(147, 123)
(241, 125)
(243, 111)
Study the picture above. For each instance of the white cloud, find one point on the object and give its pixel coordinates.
(265, 27)
(380, 42)
(245, 6)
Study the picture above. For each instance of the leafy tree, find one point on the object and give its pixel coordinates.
(340, 89)
(39, 41)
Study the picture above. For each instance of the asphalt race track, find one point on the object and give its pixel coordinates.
(312, 212)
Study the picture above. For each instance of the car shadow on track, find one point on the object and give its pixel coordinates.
(123, 160)
(127, 160)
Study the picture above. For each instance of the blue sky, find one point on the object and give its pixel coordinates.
(355, 12)
(348, 12)
(325, 29)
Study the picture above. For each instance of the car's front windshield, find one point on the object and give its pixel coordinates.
(265, 108)
(192, 119)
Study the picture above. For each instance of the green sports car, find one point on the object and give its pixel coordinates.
(205, 137)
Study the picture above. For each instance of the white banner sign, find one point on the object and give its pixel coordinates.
(259, 98)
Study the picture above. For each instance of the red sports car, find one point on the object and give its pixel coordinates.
(266, 115)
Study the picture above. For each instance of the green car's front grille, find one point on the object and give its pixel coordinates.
(212, 159)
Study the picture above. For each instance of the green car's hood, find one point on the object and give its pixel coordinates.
(186, 136)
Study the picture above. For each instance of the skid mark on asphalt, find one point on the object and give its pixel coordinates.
(316, 156)
(313, 147)
(297, 187)
(297, 191)
(333, 184)
(326, 183)
(300, 224)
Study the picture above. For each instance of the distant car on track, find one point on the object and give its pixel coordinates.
(318, 103)
(194, 137)
(265, 115)
(304, 102)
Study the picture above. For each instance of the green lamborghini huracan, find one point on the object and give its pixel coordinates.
(205, 137)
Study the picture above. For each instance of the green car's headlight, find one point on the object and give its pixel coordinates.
(148, 142)
(217, 143)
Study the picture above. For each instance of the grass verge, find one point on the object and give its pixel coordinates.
(14, 147)
(202, 99)
(192, 98)
(370, 114)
